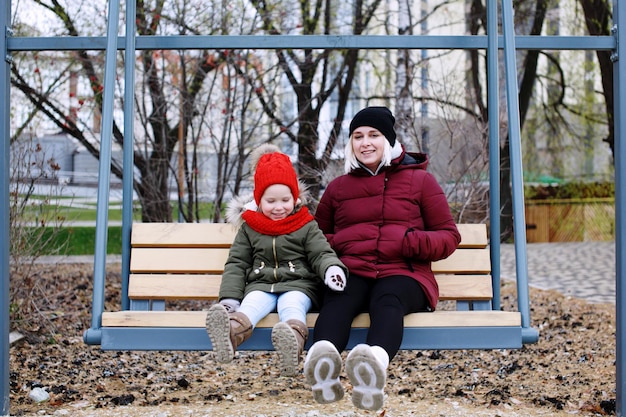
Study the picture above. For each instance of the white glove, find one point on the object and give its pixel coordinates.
(230, 304)
(335, 278)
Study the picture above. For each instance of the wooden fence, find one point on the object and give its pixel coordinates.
(571, 220)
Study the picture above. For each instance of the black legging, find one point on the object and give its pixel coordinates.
(387, 300)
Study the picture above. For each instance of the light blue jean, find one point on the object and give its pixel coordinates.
(292, 305)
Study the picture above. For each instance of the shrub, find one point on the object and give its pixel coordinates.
(34, 223)
(571, 190)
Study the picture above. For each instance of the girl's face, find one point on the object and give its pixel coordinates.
(277, 202)
(368, 145)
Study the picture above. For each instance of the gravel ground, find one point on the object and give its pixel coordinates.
(570, 371)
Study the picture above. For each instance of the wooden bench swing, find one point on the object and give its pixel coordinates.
(167, 262)
(184, 261)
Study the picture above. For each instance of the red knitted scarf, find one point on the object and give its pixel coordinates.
(262, 224)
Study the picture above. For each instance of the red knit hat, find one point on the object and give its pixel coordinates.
(274, 168)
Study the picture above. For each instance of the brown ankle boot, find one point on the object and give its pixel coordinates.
(288, 339)
(226, 331)
(240, 329)
(302, 334)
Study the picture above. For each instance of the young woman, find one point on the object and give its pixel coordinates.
(387, 219)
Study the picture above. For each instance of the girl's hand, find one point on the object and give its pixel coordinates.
(335, 278)
(230, 304)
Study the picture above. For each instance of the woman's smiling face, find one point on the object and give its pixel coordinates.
(368, 145)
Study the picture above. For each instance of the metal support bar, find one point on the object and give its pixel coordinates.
(619, 113)
(615, 54)
(128, 163)
(8, 33)
(590, 43)
(517, 180)
(5, 111)
(104, 173)
(196, 339)
(493, 108)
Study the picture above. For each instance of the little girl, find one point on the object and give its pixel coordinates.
(278, 261)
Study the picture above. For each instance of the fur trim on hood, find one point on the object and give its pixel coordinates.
(239, 204)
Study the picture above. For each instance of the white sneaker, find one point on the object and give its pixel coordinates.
(321, 368)
(367, 376)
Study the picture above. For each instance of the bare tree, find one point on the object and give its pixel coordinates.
(543, 103)
(530, 17)
(315, 77)
(598, 20)
(159, 115)
(404, 75)
(228, 101)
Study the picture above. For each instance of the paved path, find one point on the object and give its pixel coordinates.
(580, 269)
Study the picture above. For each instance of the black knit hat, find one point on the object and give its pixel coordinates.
(377, 117)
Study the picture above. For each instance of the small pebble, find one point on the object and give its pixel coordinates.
(38, 395)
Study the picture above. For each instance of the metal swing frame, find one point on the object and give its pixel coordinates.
(492, 42)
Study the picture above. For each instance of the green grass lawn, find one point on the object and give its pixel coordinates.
(74, 210)
(81, 240)
(76, 214)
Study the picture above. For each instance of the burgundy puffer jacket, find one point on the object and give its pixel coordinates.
(394, 223)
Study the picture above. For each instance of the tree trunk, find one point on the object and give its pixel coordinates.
(597, 17)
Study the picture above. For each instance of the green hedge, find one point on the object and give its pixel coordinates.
(571, 190)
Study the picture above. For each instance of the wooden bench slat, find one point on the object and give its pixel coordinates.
(192, 235)
(473, 236)
(464, 287)
(203, 260)
(182, 235)
(465, 261)
(174, 287)
(178, 260)
(206, 287)
(197, 319)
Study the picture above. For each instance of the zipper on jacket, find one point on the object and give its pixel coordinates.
(275, 259)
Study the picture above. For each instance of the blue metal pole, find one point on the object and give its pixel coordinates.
(425, 133)
(5, 13)
(93, 335)
(129, 111)
(619, 117)
(529, 334)
(493, 108)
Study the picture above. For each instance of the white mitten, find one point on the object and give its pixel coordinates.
(230, 304)
(335, 278)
